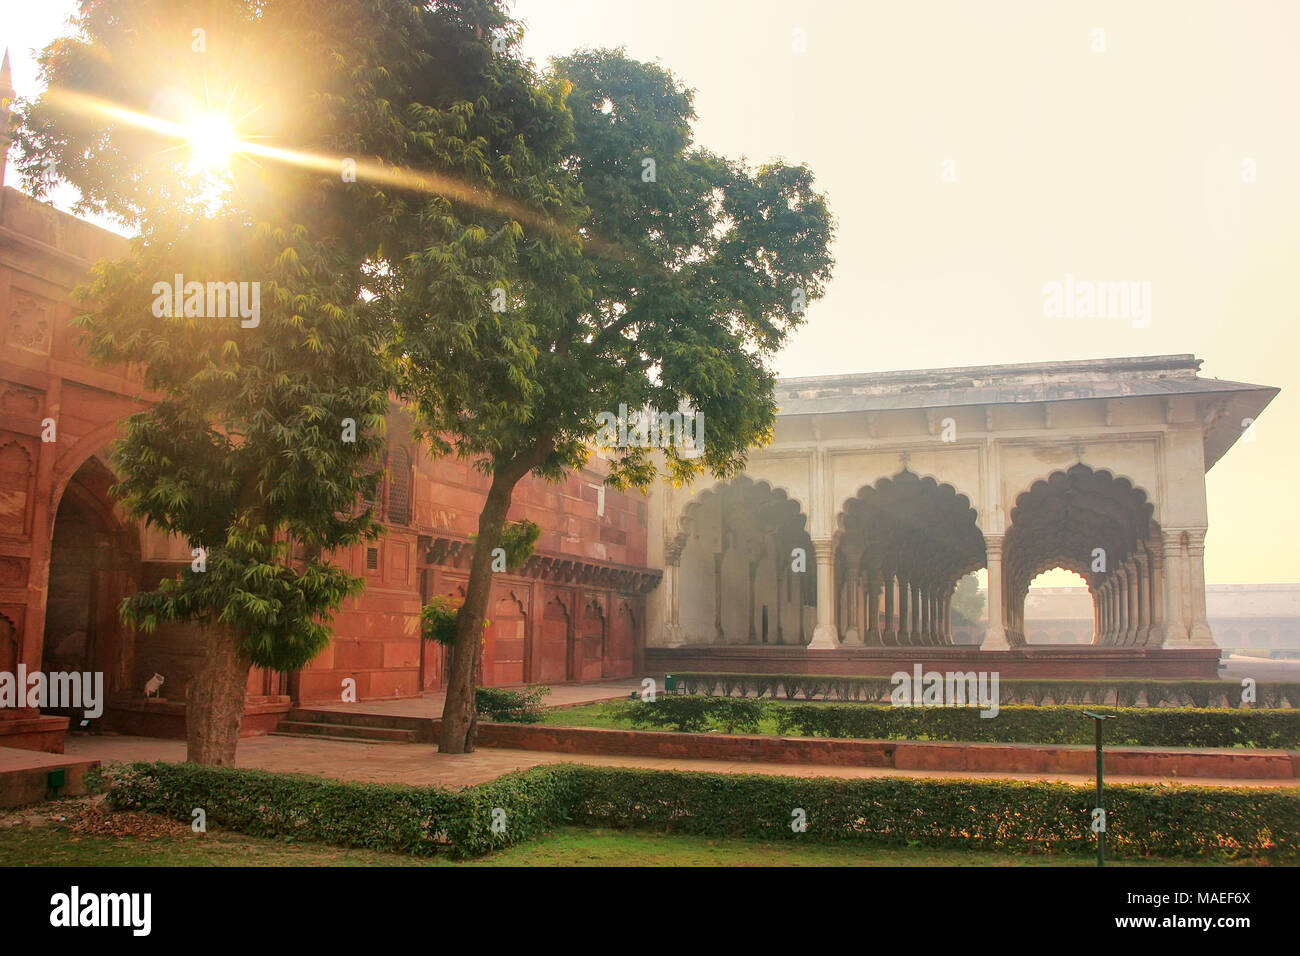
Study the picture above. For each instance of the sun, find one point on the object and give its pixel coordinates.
(212, 140)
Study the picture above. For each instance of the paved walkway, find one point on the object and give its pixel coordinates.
(422, 764)
(430, 704)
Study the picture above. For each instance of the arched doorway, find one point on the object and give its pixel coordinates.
(94, 563)
(905, 543)
(748, 572)
(1101, 528)
(1058, 608)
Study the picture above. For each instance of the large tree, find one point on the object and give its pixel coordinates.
(622, 266)
(259, 448)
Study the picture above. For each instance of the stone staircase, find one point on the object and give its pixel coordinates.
(356, 727)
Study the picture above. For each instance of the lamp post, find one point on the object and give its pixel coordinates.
(1099, 812)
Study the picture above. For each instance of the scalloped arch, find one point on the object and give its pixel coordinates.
(940, 486)
(704, 496)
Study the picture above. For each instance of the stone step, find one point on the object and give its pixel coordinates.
(25, 775)
(341, 740)
(356, 719)
(346, 731)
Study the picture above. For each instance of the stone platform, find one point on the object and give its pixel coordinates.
(166, 718)
(25, 775)
(1066, 661)
(30, 730)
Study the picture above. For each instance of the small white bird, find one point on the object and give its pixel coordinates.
(151, 686)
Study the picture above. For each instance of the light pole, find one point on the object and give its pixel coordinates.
(1099, 812)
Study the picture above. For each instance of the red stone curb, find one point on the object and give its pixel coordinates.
(898, 754)
(1225, 764)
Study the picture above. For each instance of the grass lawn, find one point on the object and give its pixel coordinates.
(87, 835)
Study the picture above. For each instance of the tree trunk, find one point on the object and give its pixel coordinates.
(459, 718)
(214, 711)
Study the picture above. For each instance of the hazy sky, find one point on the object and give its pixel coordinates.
(1130, 164)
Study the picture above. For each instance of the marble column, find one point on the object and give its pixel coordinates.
(995, 635)
(1199, 634)
(904, 611)
(1158, 630)
(889, 626)
(1131, 602)
(918, 613)
(927, 614)
(1116, 621)
(1176, 626)
(873, 608)
(1122, 587)
(1096, 614)
(672, 594)
(825, 636)
(1142, 569)
(853, 587)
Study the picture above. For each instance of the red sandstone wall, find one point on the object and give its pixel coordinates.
(545, 627)
(541, 630)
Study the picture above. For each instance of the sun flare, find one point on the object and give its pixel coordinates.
(212, 140)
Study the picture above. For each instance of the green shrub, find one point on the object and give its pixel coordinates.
(389, 817)
(730, 715)
(438, 621)
(1135, 726)
(511, 706)
(894, 811)
(878, 811)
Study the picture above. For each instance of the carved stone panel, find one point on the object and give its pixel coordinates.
(30, 323)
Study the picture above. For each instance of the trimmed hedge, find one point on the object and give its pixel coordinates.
(1135, 726)
(390, 817)
(893, 811)
(878, 811)
(1099, 692)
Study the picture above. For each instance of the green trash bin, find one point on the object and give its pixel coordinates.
(670, 684)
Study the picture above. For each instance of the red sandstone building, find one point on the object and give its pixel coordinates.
(68, 555)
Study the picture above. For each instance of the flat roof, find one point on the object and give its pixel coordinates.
(1024, 384)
